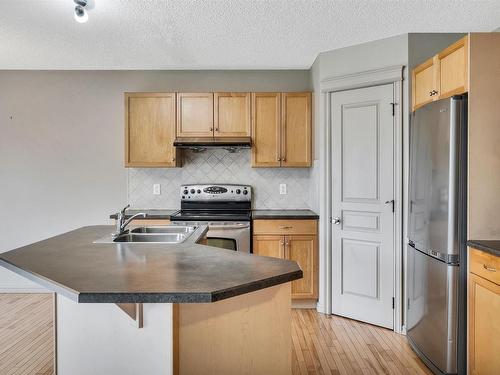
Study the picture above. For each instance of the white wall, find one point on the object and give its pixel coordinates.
(61, 144)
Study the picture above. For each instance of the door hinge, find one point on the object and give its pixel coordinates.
(393, 108)
(393, 303)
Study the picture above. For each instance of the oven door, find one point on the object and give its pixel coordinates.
(229, 235)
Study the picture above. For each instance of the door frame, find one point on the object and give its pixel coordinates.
(388, 75)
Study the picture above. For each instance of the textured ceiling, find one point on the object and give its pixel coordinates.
(216, 34)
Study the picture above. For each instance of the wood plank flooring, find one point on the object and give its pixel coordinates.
(26, 334)
(324, 344)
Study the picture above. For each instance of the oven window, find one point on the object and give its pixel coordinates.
(224, 243)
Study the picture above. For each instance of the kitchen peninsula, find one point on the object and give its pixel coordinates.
(205, 310)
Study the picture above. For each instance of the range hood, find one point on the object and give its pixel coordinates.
(201, 144)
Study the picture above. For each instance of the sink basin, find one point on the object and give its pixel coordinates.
(175, 229)
(152, 238)
(171, 234)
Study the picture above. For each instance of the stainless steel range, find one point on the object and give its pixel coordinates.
(226, 209)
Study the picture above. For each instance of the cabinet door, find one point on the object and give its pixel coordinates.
(484, 326)
(266, 120)
(232, 114)
(424, 84)
(453, 69)
(150, 130)
(269, 246)
(302, 249)
(195, 114)
(296, 130)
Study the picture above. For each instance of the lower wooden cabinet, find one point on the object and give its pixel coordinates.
(291, 244)
(484, 322)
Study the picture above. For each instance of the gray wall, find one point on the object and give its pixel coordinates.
(61, 143)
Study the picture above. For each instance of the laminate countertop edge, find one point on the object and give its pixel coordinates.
(489, 246)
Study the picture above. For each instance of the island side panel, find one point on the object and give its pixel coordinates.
(247, 334)
(99, 338)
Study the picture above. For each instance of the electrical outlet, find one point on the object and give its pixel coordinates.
(156, 189)
(282, 189)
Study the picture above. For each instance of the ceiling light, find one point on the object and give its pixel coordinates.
(81, 14)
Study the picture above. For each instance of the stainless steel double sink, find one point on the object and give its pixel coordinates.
(172, 234)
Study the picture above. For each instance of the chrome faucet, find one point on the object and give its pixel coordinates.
(121, 223)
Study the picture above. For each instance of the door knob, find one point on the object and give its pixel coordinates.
(336, 220)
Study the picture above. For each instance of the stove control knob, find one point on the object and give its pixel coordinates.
(198, 191)
(245, 192)
(185, 192)
(238, 191)
(192, 191)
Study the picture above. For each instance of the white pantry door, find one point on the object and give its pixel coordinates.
(362, 204)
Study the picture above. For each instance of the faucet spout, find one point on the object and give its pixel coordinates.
(121, 223)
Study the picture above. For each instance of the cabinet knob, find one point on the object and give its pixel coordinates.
(279, 159)
(211, 129)
(216, 129)
(173, 159)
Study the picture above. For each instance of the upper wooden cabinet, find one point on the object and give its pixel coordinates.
(296, 129)
(442, 76)
(266, 129)
(195, 114)
(150, 130)
(281, 129)
(232, 114)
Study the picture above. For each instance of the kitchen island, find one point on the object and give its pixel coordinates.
(204, 310)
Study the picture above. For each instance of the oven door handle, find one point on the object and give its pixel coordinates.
(228, 227)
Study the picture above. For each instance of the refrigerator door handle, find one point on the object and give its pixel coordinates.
(452, 242)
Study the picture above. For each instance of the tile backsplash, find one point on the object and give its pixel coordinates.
(220, 166)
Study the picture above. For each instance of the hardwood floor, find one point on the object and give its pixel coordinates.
(321, 344)
(324, 344)
(26, 334)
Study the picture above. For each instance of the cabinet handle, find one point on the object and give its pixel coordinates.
(282, 243)
(285, 227)
(279, 159)
(173, 159)
(488, 268)
(216, 129)
(431, 93)
(211, 129)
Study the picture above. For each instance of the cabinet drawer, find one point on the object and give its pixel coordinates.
(285, 227)
(485, 265)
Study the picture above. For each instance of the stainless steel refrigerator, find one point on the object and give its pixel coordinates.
(436, 252)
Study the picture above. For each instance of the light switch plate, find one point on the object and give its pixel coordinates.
(282, 189)
(156, 189)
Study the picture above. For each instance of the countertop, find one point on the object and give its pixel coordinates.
(256, 214)
(490, 246)
(284, 214)
(73, 265)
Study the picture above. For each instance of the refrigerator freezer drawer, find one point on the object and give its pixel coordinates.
(433, 309)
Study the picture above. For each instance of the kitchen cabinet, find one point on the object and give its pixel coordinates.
(442, 76)
(266, 129)
(281, 129)
(294, 240)
(296, 129)
(484, 310)
(150, 130)
(195, 114)
(232, 114)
